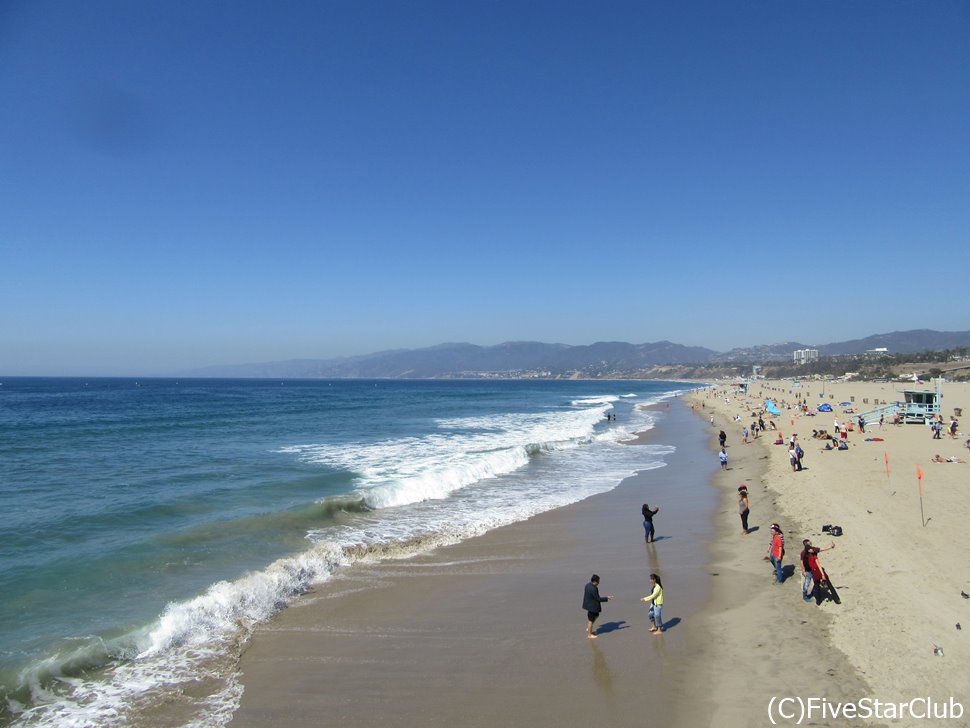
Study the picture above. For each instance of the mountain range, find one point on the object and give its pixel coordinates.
(530, 358)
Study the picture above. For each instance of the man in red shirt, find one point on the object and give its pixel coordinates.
(811, 569)
(776, 551)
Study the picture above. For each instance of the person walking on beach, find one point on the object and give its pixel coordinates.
(656, 597)
(648, 515)
(592, 603)
(722, 438)
(743, 509)
(776, 552)
(722, 456)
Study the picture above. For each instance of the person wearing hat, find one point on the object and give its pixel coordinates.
(776, 552)
(743, 509)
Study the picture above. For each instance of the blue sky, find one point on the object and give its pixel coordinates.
(185, 184)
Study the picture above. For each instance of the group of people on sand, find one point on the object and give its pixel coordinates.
(815, 580)
(593, 602)
(938, 427)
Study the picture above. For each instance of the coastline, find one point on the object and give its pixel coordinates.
(490, 631)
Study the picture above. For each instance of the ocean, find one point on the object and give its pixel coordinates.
(152, 524)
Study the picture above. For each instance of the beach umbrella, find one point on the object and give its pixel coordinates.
(844, 404)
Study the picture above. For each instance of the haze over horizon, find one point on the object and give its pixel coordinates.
(193, 184)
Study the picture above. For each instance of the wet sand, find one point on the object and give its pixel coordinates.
(491, 631)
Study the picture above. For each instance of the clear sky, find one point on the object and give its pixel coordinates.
(189, 183)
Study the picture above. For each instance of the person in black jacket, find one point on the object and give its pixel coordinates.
(592, 602)
(648, 514)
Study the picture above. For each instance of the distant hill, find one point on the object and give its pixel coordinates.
(898, 342)
(532, 358)
(462, 359)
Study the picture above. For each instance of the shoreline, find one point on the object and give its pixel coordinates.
(490, 631)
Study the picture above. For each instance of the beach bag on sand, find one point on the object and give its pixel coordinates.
(827, 590)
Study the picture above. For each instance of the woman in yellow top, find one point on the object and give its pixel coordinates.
(657, 599)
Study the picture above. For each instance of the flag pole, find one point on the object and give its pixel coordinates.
(919, 479)
(885, 456)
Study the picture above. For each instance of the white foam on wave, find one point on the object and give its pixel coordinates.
(192, 640)
(476, 462)
(461, 452)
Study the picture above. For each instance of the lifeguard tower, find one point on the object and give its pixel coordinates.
(917, 405)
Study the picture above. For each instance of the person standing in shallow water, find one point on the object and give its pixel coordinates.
(648, 515)
(592, 603)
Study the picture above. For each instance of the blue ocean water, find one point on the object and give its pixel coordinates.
(150, 525)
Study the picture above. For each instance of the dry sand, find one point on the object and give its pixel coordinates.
(490, 631)
(900, 581)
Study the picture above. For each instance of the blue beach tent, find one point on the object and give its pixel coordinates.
(825, 407)
(770, 406)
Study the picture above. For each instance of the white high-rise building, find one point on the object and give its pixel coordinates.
(801, 356)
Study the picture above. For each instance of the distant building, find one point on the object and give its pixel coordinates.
(803, 356)
(881, 351)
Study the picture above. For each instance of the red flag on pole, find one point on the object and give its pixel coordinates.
(885, 457)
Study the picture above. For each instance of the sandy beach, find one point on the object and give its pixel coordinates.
(490, 631)
(900, 580)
